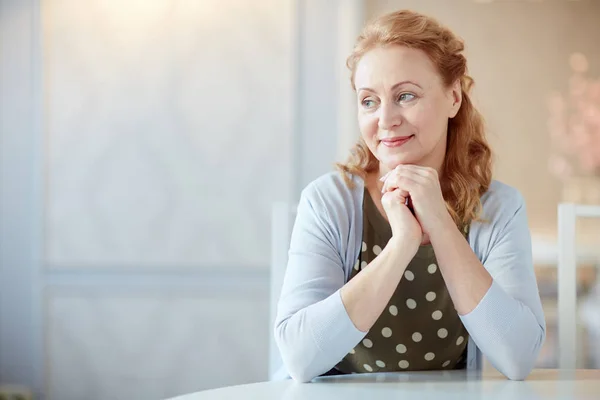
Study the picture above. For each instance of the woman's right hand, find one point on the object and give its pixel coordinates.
(405, 227)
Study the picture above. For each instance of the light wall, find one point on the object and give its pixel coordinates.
(143, 144)
(159, 119)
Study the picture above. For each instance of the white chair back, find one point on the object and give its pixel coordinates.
(567, 280)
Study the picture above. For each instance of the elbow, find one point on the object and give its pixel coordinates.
(296, 363)
(300, 374)
(516, 371)
(519, 365)
(299, 369)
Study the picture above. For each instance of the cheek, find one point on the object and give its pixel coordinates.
(368, 127)
(429, 121)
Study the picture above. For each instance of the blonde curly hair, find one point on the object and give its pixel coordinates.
(467, 168)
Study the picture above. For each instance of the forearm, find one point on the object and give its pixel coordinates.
(314, 339)
(466, 278)
(506, 330)
(366, 295)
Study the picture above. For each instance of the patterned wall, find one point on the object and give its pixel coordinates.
(167, 129)
(166, 121)
(115, 345)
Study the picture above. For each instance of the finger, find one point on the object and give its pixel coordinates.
(414, 167)
(390, 184)
(419, 175)
(402, 182)
(422, 180)
(386, 179)
(387, 174)
(404, 193)
(401, 196)
(417, 169)
(392, 187)
(393, 198)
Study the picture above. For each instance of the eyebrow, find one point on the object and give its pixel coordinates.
(393, 87)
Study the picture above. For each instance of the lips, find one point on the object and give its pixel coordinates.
(396, 141)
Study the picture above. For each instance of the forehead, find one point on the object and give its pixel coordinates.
(382, 67)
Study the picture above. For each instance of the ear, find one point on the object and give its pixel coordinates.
(455, 98)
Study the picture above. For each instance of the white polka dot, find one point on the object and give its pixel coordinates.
(442, 333)
(430, 296)
(460, 340)
(416, 337)
(363, 264)
(376, 250)
(364, 246)
(352, 351)
(386, 332)
(410, 303)
(403, 364)
(368, 367)
(380, 364)
(401, 349)
(357, 264)
(367, 343)
(429, 356)
(432, 268)
(394, 310)
(446, 363)
(437, 315)
(409, 275)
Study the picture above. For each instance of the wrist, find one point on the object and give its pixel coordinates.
(445, 229)
(402, 246)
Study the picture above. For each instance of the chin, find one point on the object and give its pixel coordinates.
(393, 162)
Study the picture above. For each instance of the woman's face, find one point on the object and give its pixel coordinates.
(403, 107)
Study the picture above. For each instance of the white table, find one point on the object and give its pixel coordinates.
(444, 385)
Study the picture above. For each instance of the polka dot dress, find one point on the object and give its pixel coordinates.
(419, 329)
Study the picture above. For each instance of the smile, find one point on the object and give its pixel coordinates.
(397, 141)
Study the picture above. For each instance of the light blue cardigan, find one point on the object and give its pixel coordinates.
(313, 330)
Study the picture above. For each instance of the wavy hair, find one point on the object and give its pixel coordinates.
(467, 168)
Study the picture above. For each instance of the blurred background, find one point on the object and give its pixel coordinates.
(143, 144)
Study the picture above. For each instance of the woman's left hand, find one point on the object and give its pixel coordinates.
(423, 186)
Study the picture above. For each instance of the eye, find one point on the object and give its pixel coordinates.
(368, 103)
(406, 97)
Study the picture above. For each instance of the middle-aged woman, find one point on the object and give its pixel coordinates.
(410, 257)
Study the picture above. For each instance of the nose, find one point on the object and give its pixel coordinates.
(389, 117)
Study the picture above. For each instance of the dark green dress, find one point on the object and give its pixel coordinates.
(419, 329)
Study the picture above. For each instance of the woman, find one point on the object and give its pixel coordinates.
(410, 257)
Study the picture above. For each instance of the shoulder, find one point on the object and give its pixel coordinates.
(501, 202)
(332, 195)
(331, 210)
(503, 215)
